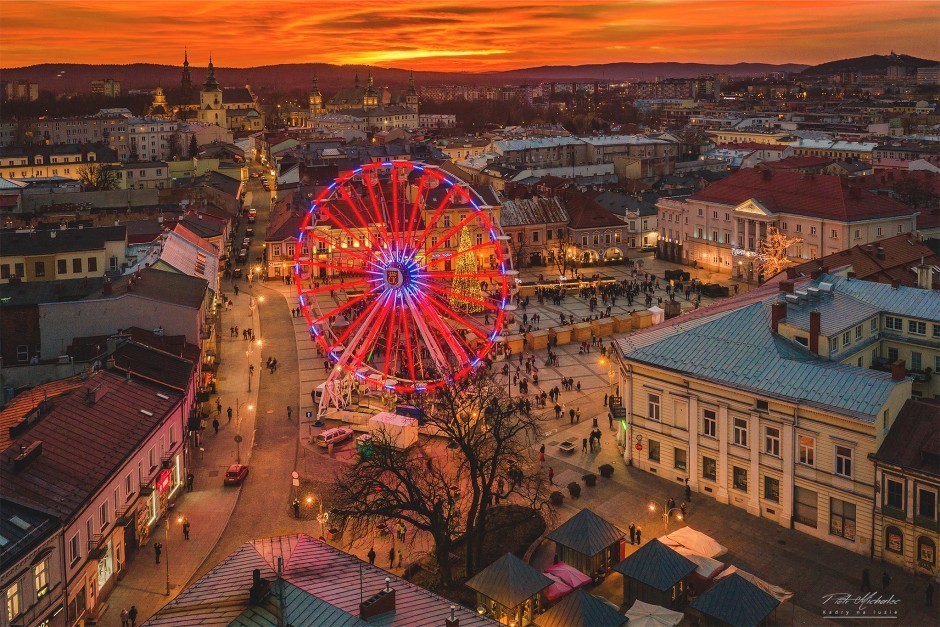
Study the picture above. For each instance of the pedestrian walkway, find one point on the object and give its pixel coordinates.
(208, 507)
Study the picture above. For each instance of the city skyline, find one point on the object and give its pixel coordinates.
(417, 34)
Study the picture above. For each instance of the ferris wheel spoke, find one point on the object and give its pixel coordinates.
(414, 217)
(430, 342)
(429, 226)
(313, 291)
(459, 349)
(446, 310)
(337, 245)
(344, 192)
(362, 350)
(372, 215)
(453, 231)
(359, 323)
(449, 293)
(349, 304)
(409, 347)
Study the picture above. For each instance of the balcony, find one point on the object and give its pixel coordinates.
(124, 517)
(96, 549)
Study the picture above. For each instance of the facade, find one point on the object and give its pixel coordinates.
(107, 87)
(61, 254)
(638, 213)
(656, 157)
(20, 90)
(595, 235)
(907, 467)
(721, 227)
(149, 139)
(105, 128)
(371, 109)
(144, 175)
(783, 425)
(838, 150)
(107, 511)
(31, 586)
(63, 160)
(536, 229)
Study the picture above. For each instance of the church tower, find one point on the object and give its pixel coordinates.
(316, 99)
(186, 82)
(159, 107)
(211, 110)
(371, 99)
(411, 96)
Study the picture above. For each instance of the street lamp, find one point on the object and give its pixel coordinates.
(238, 427)
(322, 517)
(667, 511)
(166, 548)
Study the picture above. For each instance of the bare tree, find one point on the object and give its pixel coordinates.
(562, 260)
(774, 257)
(449, 497)
(98, 177)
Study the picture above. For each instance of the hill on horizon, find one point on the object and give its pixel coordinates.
(62, 78)
(870, 64)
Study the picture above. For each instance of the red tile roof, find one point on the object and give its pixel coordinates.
(913, 441)
(795, 163)
(587, 213)
(818, 196)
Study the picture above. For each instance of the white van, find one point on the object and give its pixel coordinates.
(334, 436)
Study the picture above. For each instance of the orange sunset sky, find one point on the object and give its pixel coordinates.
(455, 35)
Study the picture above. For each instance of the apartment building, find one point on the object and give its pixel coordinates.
(722, 227)
(31, 586)
(747, 401)
(60, 160)
(61, 254)
(149, 139)
(126, 481)
(536, 229)
(145, 175)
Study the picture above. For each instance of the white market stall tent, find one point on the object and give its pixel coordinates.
(775, 591)
(649, 615)
(695, 541)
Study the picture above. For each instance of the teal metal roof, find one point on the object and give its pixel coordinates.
(737, 348)
(736, 601)
(903, 301)
(656, 565)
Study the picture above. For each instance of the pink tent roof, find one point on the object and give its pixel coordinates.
(566, 578)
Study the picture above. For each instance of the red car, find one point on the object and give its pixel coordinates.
(235, 474)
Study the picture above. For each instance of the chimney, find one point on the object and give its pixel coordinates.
(881, 252)
(453, 621)
(924, 276)
(34, 450)
(259, 587)
(815, 321)
(898, 371)
(815, 274)
(379, 603)
(778, 312)
(895, 284)
(786, 287)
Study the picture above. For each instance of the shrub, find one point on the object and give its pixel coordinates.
(590, 479)
(574, 489)
(607, 471)
(556, 498)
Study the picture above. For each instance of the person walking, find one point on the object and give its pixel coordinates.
(124, 618)
(639, 539)
(632, 533)
(157, 550)
(610, 419)
(215, 425)
(218, 406)
(371, 556)
(542, 454)
(571, 416)
(584, 445)
(557, 411)
(551, 477)
(866, 581)
(229, 412)
(132, 615)
(289, 412)
(885, 580)
(190, 478)
(391, 557)
(186, 529)
(400, 558)
(688, 491)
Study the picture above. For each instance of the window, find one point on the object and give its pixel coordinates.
(799, 228)
(104, 516)
(812, 230)
(783, 226)
(858, 234)
(535, 237)
(61, 266)
(917, 360)
(40, 268)
(880, 231)
(894, 540)
(846, 338)
(926, 504)
(739, 476)
(128, 487)
(772, 489)
(926, 552)
(92, 264)
(715, 214)
(892, 323)
(709, 469)
(75, 549)
(152, 457)
(22, 353)
(807, 450)
(804, 506)
(858, 332)
(772, 441)
(894, 494)
(654, 451)
(874, 325)
(5, 271)
(763, 406)
(936, 331)
(653, 406)
(834, 343)
(900, 228)
(917, 328)
(77, 266)
(892, 354)
(14, 601)
(834, 234)
(709, 424)
(41, 578)
(680, 458)
(740, 431)
(842, 519)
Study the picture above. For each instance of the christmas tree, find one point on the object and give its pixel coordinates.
(465, 285)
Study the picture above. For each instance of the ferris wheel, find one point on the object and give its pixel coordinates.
(403, 276)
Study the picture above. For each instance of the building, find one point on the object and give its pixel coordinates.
(722, 227)
(144, 175)
(61, 160)
(374, 109)
(639, 213)
(20, 90)
(54, 255)
(107, 87)
(106, 511)
(834, 149)
(303, 581)
(232, 108)
(907, 469)
(151, 138)
(510, 591)
(536, 229)
(31, 567)
(595, 235)
(785, 423)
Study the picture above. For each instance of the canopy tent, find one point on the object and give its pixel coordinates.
(659, 314)
(649, 615)
(736, 601)
(566, 578)
(705, 567)
(775, 591)
(695, 541)
(581, 609)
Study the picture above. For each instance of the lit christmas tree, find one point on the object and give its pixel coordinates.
(465, 285)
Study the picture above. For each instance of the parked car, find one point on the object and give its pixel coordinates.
(251, 218)
(242, 256)
(334, 436)
(235, 474)
(255, 175)
(246, 242)
(249, 231)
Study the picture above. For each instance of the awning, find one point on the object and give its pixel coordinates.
(649, 615)
(695, 541)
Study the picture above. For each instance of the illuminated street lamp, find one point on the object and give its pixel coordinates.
(667, 511)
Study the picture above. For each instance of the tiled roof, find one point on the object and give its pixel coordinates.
(75, 460)
(536, 211)
(191, 255)
(913, 442)
(820, 196)
(736, 601)
(656, 565)
(13, 244)
(153, 365)
(170, 287)
(21, 530)
(734, 344)
(587, 533)
(38, 292)
(903, 301)
(236, 95)
(27, 401)
(203, 225)
(585, 213)
(838, 312)
(622, 204)
(322, 588)
(509, 581)
(581, 609)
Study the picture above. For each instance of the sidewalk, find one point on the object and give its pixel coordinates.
(210, 504)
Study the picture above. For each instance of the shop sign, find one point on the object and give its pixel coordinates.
(163, 480)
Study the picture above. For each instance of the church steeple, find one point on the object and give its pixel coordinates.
(357, 79)
(316, 99)
(411, 96)
(371, 99)
(411, 84)
(186, 82)
(211, 84)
